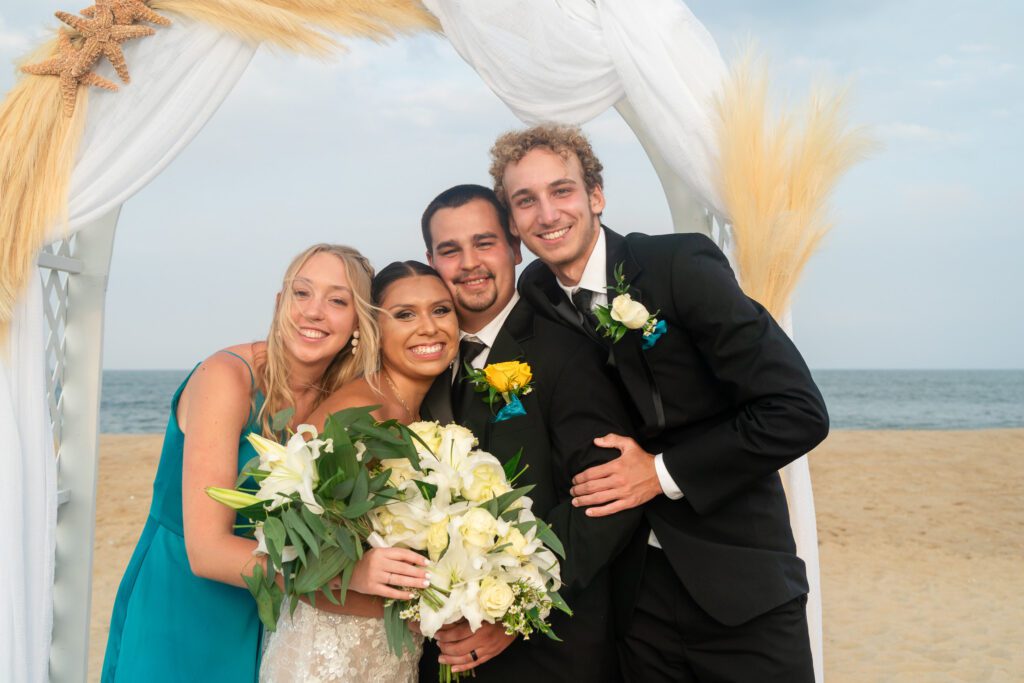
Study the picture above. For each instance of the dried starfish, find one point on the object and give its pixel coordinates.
(126, 12)
(66, 65)
(103, 37)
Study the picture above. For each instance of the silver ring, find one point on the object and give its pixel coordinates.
(473, 654)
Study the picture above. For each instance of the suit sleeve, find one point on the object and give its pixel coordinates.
(779, 413)
(583, 406)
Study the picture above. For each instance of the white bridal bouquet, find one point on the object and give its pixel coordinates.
(493, 560)
(306, 503)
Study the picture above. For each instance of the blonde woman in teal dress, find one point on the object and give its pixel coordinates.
(182, 611)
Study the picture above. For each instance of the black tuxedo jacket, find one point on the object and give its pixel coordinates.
(726, 396)
(574, 400)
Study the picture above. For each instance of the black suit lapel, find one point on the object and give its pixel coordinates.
(564, 309)
(630, 360)
(518, 327)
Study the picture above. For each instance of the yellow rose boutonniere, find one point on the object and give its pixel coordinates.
(509, 380)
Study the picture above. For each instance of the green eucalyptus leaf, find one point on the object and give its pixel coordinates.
(247, 471)
(313, 521)
(274, 532)
(344, 538)
(506, 499)
(548, 537)
(357, 510)
(558, 602)
(343, 490)
(295, 521)
(511, 464)
(293, 536)
(346, 578)
(281, 419)
(427, 489)
(320, 570)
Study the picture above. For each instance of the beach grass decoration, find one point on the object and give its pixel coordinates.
(777, 178)
(41, 121)
(38, 144)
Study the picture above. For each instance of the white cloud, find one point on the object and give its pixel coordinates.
(916, 132)
(14, 43)
(976, 48)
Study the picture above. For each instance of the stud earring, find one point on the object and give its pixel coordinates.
(355, 338)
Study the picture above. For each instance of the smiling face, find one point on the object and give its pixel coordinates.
(552, 211)
(321, 313)
(477, 263)
(418, 327)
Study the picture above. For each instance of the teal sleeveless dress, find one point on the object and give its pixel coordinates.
(169, 624)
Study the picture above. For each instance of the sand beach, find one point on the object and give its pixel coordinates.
(921, 538)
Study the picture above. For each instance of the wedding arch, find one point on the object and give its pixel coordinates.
(72, 151)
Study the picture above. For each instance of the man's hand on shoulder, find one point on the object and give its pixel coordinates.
(627, 482)
(466, 650)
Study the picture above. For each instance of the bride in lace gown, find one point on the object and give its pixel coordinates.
(418, 336)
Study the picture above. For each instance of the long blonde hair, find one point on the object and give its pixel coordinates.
(351, 361)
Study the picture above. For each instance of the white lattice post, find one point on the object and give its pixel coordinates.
(77, 376)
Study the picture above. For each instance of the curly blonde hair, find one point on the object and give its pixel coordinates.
(512, 146)
(351, 362)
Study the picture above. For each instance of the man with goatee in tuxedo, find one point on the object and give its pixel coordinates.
(573, 401)
(711, 588)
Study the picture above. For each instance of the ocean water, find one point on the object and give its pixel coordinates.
(138, 401)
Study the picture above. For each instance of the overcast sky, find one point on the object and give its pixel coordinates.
(923, 268)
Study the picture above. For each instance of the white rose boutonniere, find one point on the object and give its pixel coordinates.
(626, 314)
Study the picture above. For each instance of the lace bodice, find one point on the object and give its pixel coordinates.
(315, 646)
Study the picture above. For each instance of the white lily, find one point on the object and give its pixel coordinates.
(290, 469)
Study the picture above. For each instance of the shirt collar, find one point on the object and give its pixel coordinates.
(489, 332)
(593, 278)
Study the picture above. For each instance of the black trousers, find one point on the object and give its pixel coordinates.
(670, 638)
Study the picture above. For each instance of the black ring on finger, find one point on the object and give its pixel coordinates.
(474, 655)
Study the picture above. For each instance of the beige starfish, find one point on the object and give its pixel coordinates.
(66, 65)
(127, 12)
(103, 37)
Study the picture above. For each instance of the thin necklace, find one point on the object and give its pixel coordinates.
(394, 390)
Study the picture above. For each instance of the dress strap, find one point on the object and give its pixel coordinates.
(252, 377)
(257, 400)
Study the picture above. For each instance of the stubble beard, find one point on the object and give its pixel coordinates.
(480, 302)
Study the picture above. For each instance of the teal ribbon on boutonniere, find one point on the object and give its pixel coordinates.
(625, 314)
(651, 336)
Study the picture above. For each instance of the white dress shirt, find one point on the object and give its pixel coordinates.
(488, 334)
(595, 280)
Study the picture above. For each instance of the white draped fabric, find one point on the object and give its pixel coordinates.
(568, 61)
(29, 504)
(180, 76)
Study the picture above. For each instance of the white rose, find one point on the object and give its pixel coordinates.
(430, 432)
(437, 539)
(479, 528)
(630, 313)
(383, 521)
(516, 542)
(487, 480)
(495, 597)
(401, 470)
